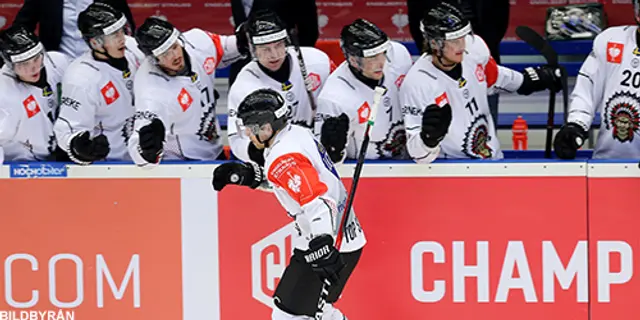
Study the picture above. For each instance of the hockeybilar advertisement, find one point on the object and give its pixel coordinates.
(551, 246)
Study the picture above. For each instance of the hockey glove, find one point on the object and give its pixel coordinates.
(239, 173)
(85, 150)
(324, 258)
(568, 140)
(435, 124)
(242, 40)
(151, 141)
(256, 155)
(333, 136)
(540, 78)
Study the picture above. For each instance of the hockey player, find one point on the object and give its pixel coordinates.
(608, 83)
(97, 90)
(29, 83)
(345, 101)
(308, 187)
(174, 93)
(444, 95)
(275, 66)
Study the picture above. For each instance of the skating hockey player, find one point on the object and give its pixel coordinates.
(444, 95)
(275, 66)
(97, 89)
(607, 83)
(175, 99)
(346, 99)
(29, 86)
(308, 187)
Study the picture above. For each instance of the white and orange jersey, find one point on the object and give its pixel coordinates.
(308, 187)
(185, 104)
(472, 133)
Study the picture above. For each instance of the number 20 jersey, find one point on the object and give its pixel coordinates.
(608, 83)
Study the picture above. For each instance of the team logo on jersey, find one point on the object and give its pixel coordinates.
(480, 73)
(442, 99)
(315, 81)
(209, 65)
(363, 112)
(110, 93)
(399, 80)
(476, 139)
(31, 106)
(614, 52)
(294, 182)
(394, 144)
(184, 99)
(622, 117)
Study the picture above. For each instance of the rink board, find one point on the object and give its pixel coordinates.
(491, 240)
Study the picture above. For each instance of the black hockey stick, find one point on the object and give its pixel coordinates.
(305, 74)
(377, 97)
(536, 41)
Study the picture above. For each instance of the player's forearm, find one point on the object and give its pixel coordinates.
(582, 108)
(508, 80)
(230, 51)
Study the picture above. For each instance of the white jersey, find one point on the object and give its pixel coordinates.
(185, 104)
(27, 112)
(344, 93)
(472, 133)
(308, 187)
(294, 93)
(608, 82)
(97, 98)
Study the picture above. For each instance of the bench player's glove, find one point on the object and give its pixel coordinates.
(540, 78)
(324, 258)
(333, 136)
(85, 150)
(242, 40)
(435, 124)
(151, 141)
(240, 173)
(568, 140)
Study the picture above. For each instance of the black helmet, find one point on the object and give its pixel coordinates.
(363, 39)
(100, 19)
(263, 106)
(155, 36)
(18, 44)
(264, 26)
(444, 22)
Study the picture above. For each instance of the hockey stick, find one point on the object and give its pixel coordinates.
(377, 97)
(305, 75)
(536, 41)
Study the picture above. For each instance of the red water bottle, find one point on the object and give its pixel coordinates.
(519, 131)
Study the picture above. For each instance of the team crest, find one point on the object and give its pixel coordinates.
(209, 65)
(479, 73)
(477, 138)
(622, 117)
(394, 144)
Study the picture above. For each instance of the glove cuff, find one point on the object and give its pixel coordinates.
(72, 153)
(258, 175)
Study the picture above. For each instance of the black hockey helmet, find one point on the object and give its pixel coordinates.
(444, 22)
(100, 19)
(363, 39)
(264, 26)
(261, 107)
(18, 44)
(155, 36)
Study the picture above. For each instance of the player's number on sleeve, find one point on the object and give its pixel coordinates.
(472, 106)
(205, 98)
(631, 79)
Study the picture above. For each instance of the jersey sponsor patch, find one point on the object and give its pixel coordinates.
(110, 93)
(399, 80)
(614, 52)
(294, 173)
(184, 99)
(363, 112)
(442, 99)
(31, 106)
(209, 65)
(315, 81)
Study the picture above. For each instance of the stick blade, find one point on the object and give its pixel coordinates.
(535, 40)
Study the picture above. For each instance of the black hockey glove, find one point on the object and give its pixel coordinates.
(256, 155)
(568, 140)
(333, 136)
(324, 258)
(540, 78)
(239, 173)
(151, 141)
(86, 150)
(242, 40)
(435, 124)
